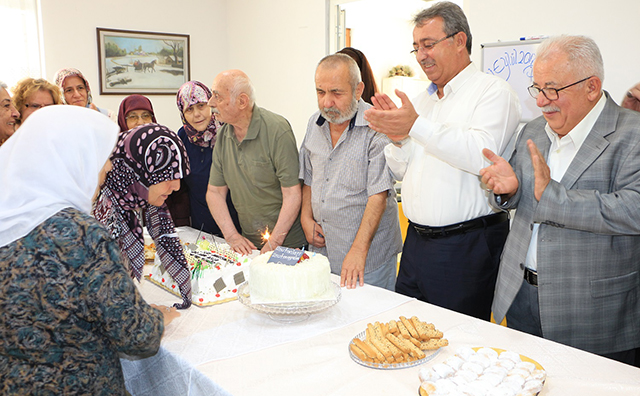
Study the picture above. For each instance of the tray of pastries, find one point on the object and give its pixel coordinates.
(396, 344)
(483, 371)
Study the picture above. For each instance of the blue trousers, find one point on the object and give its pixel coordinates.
(455, 272)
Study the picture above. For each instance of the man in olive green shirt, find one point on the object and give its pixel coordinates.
(256, 157)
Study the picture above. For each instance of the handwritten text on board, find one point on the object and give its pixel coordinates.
(521, 62)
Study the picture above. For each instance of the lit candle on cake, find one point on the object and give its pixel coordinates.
(265, 238)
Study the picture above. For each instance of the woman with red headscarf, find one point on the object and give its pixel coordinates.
(135, 110)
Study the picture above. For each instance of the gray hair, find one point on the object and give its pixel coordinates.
(454, 19)
(582, 52)
(3, 85)
(335, 60)
(242, 84)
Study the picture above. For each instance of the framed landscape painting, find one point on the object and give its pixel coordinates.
(148, 63)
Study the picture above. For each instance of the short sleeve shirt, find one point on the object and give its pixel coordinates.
(255, 170)
(342, 178)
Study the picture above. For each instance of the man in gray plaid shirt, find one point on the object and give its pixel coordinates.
(349, 207)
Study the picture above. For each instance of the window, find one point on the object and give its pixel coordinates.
(21, 44)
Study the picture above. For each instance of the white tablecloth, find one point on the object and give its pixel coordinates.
(322, 366)
(167, 374)
(204, 334)
(230, 346)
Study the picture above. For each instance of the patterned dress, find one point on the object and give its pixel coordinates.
(68, 307)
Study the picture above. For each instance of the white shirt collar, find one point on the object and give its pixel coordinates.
(579, 133)
(456, 82)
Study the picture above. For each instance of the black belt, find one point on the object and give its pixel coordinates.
(531, 277)
(460, 228)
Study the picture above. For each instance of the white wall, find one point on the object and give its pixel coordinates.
(385, 45)
(279, 42)
(613, 25)
(69, 30)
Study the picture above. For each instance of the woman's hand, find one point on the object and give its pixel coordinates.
(168, 313)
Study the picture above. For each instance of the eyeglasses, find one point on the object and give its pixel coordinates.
(36, 106)
(428, 47)
(136, 117)
(551, 93)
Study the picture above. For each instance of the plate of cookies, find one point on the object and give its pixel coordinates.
(396, 344)
(483, 371)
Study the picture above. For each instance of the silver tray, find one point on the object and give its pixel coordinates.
(288, 312)
(390, 366)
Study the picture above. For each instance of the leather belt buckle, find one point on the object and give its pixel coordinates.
(531, 277)
(429, 232)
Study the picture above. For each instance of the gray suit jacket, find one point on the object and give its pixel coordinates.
(589, 237)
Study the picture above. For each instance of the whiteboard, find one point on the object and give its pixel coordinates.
(513, 62)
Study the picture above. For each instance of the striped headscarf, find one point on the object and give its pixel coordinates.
(144, 156)
(189, 94)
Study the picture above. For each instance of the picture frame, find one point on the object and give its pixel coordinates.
(136, 62)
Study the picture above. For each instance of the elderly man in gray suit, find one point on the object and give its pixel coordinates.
(570, 270)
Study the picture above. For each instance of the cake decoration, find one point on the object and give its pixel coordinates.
(216, 272)
(286, 256)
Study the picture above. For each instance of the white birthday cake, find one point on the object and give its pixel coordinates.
(275, 282)
(216, 272)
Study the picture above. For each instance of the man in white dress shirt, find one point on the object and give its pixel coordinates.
(454, 240)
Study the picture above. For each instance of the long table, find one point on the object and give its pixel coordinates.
(230, 349)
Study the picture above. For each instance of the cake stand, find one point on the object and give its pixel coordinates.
(289, 312)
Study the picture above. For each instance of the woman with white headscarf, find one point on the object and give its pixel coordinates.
(68, 305)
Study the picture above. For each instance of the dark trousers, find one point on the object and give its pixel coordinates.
(524, 312)
(455, 272)
(524, 315)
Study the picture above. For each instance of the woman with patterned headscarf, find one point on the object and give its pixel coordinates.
(198, 134)
(76, 91)
(148, 163)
